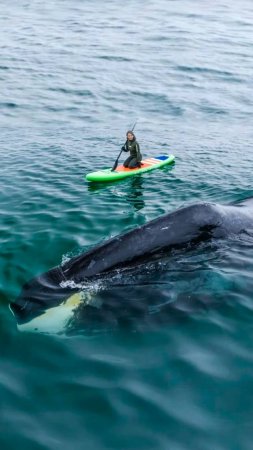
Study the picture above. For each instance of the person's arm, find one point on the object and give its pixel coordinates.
(138, 152)
(124, 147)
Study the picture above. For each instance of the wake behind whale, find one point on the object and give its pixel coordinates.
(70, 285)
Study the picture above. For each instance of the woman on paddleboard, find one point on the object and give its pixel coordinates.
(134, 160)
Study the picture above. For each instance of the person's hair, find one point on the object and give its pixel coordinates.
(132, 133)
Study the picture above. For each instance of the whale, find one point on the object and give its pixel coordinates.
(181, 229)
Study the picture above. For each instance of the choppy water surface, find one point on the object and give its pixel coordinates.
(74, 76)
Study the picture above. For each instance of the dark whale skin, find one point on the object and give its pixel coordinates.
(188, 225)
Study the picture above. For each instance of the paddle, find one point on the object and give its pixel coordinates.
(117, 160)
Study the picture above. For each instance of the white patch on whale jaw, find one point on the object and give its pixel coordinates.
(56, 320)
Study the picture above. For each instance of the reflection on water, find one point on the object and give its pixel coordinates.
(131, 189)
(135, 193)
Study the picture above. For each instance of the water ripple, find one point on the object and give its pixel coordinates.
(176, 370)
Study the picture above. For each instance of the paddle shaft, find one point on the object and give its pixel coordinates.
(116, 162)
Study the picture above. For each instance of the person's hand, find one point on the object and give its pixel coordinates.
(123, 148)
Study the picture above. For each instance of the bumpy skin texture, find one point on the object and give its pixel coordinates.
(190, 225)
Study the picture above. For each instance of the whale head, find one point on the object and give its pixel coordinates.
(38, 293)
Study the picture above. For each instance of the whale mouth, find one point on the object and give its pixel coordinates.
(51, 321)
(38, 293)
(47, 303)
(57, 319)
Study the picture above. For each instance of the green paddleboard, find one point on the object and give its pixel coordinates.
(147, 164)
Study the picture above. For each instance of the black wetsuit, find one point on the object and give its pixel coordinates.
(134, 160)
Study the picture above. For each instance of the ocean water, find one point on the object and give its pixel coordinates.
(74, 76)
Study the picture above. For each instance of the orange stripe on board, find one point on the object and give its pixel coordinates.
(145, 163)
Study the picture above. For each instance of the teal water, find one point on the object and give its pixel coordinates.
(75, 75)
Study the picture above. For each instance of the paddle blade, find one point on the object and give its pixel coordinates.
(116, 162)
(114, 166)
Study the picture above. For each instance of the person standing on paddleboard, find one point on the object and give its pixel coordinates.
(134, 160)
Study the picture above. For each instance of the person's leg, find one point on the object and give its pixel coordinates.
(127, 161)
(133, 164)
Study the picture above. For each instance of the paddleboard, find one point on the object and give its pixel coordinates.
(147, 164)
